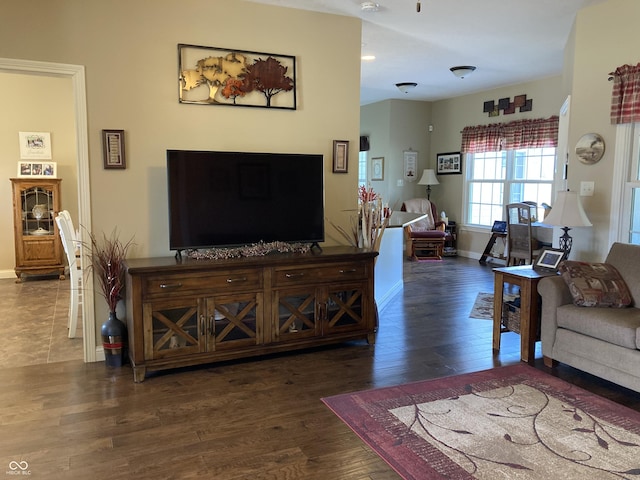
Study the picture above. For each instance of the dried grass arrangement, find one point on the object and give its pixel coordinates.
(369, 225)
(107, 255)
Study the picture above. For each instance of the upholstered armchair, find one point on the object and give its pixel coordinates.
(425, 238)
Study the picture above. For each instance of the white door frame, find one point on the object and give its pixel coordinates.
(76, 74)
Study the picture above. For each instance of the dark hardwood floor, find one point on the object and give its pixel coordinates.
(259, 418)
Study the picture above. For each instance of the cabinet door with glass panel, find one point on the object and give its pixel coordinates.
(38, 249)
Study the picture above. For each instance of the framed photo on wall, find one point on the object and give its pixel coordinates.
(35, 145)
(449, 163)
(340, 156)
(113, 149)
(377, 168)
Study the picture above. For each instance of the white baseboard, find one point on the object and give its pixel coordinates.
(99, 354)
(384, 301)
(7, 274)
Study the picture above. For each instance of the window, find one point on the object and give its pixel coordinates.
(495, 179)
(631, 189)
(362, 169)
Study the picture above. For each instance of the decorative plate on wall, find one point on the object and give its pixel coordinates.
(590, 148)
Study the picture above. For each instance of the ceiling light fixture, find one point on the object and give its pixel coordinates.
(404, 87)
(462, 70)
(369, 6)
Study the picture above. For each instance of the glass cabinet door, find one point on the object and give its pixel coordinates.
(37, 211)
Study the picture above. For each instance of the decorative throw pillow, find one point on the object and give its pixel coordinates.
(595, 284)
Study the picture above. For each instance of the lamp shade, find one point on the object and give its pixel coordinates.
(567, 211)
(428, 177)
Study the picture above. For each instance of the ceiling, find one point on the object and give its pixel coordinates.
(509, 41)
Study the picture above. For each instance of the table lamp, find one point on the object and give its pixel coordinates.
(567, 212)
(428, 178)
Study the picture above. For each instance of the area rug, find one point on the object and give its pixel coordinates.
(512, 422)
(483, 307)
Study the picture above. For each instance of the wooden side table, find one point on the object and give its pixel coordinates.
(527, 279)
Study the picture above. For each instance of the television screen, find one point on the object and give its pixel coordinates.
(233, 198)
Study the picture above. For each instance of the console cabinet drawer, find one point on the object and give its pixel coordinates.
(183, 284)
(319, 274)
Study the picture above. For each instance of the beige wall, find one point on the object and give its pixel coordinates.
(451, 116)
(34, 103)
(395, 126)
(592, 51)
(606, 37)
(129, 50)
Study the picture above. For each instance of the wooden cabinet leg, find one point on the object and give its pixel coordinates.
(139, 373)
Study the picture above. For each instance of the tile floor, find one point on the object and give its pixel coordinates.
(33, 323)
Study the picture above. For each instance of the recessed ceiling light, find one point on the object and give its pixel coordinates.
(368, 58)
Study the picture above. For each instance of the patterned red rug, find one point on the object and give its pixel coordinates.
(511, 422)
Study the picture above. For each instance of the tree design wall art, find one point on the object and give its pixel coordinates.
(217, 76)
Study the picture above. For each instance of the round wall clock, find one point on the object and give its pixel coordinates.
(590, 148)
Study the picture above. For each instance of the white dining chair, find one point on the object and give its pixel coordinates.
(71, 249)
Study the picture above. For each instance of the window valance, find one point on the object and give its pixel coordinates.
(625, 98)
(537, 133)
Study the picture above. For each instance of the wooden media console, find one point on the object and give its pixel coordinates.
(188, 312)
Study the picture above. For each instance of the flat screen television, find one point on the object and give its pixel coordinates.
(219, 199)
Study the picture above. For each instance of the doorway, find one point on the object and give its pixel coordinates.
(77, 76)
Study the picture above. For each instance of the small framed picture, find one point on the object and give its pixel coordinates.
(549, 260)
(377, 168)
(37, 169)
(449, 163)
(340, 156)
(35, 145)
(113, 149)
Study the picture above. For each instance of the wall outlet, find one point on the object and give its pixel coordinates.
(587, 188)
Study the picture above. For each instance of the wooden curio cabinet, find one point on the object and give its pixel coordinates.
(38, 249)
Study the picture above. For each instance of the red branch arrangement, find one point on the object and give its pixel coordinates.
(107, 255)
(367, 228)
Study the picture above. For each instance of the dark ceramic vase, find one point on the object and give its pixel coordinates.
(114, 335)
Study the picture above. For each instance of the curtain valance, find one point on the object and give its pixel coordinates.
(537, 133)
(625, 98)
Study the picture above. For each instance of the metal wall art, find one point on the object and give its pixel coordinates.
(507, 105)
(220, 76)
